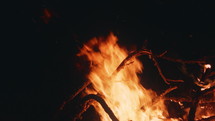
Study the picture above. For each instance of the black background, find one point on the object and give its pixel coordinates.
(39, 53)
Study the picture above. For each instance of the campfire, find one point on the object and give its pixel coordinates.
(113, 86)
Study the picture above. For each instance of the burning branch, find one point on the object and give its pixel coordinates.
(131, 55)
(106, 108)
(178, 99)
(199, 94)
(163, 94)
(87, 83)
(151, 56)
(211, 118)
(181, 99)
(168, 90)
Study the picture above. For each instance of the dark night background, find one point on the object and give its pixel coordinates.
(42, 39)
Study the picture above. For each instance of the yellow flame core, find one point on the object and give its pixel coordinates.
(123, 93)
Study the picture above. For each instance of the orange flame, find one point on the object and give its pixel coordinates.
(123, 93)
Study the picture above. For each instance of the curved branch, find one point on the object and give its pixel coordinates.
(138, 53)
(131, 55)
(87, 83)
(163, 94)
(159, 70)
(103, 104)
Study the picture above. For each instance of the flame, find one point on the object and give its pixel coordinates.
(122, 91)
(207, 66)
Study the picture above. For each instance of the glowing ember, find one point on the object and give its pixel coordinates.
(122, 91)
(47, 15)
(207, 66)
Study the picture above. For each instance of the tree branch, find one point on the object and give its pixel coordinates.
(183, 61)
(103, 104)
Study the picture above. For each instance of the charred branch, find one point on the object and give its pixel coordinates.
(159, 70)
(212, 118)
(183, 61)
(178, 99)
(168, 90)
(152, 57)
(131, 55)
(193, 107)
(163, 94)
(104, 105)
(87, 83)
(207, 91)
(199, 94)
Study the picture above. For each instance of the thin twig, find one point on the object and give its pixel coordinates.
(159, 70)
(207, 91)
(174, 80)
(168, 90)
(163, 94)
(178, 99)
(183, 61)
